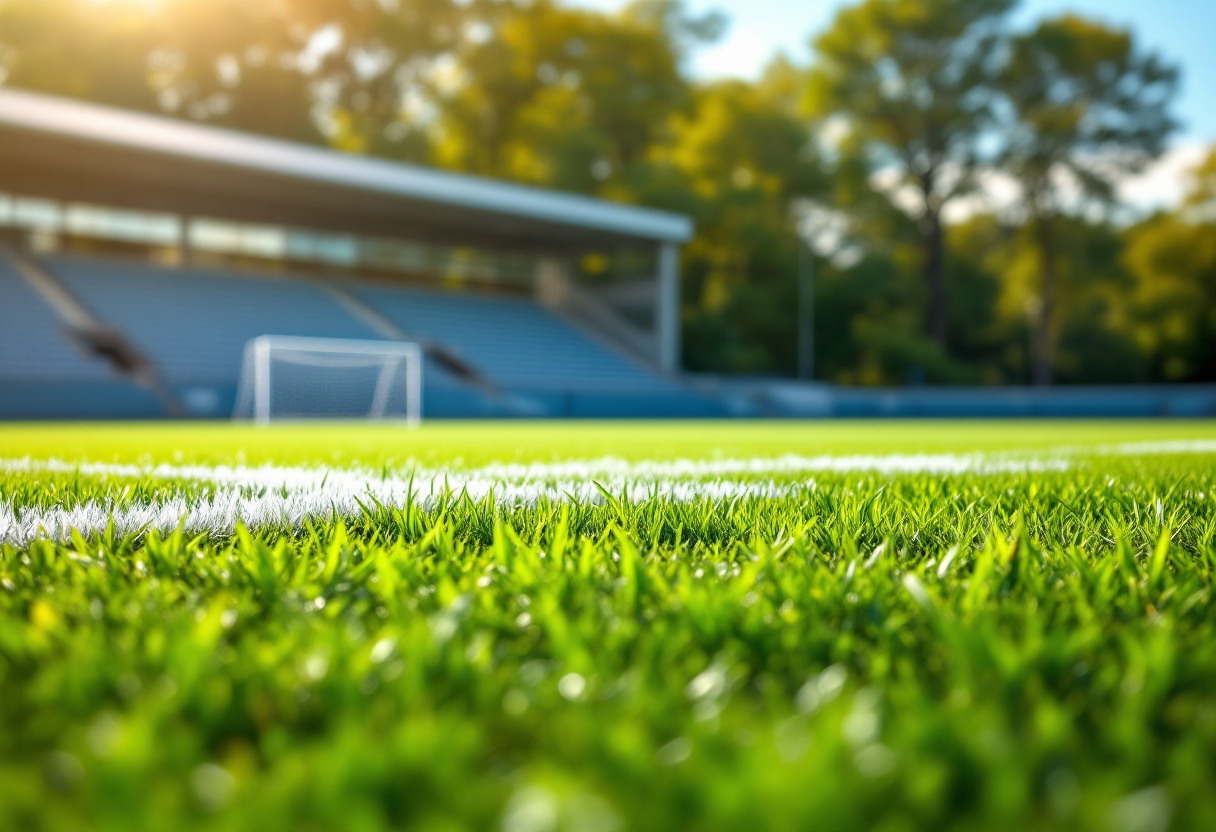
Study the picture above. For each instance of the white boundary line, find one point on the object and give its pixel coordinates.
(288, 496)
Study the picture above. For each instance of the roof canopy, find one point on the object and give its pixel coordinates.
(76, 151)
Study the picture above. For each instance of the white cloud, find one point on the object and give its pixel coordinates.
(1164, 183)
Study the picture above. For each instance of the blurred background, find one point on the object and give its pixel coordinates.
(972, 192)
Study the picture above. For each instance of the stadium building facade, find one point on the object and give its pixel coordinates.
(140, 254)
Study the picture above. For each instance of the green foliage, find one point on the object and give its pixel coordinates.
(223, 61)
(999, 268)
(1089, 104)
(561, 97)
(1173, 258)
(996, 651)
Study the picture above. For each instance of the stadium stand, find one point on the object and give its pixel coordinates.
(516, 343)
(81, 177)
(42, 372)
(194, 324)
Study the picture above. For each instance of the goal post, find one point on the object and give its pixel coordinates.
(288, 377)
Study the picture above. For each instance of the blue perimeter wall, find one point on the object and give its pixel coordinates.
(36, 400)
(806, 400)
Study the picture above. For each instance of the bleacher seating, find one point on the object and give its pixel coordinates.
(33, 341)
(44, 375)
(517, 344)
(194, 324)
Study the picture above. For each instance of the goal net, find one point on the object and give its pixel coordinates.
(329, 378)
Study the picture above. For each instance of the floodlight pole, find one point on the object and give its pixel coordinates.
(806, 310)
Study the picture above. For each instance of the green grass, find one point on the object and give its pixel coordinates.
(479, 442)
(1017, 650)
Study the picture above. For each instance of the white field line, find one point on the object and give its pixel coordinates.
(280, 496)
(220, 511)
(274, 476)
(1173, 446)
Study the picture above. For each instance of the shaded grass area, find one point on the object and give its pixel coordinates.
(1000, 651)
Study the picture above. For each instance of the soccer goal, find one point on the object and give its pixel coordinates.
(286, 377)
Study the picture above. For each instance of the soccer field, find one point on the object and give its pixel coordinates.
(609, 627)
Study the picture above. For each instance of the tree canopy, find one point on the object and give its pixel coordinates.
(911, 81)
(1088, 109)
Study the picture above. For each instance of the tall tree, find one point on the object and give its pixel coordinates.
(1088, 109)
(910, 80)
(744, 153)
(80, 50)
(1173, 257)
(336, 71)
(568, 97)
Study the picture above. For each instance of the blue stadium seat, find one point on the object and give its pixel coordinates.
(517, 344)
(33, 342)
(195, 323)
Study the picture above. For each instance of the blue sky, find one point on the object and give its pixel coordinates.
(1182, 30)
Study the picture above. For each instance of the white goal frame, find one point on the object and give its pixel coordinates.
(258, 354)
